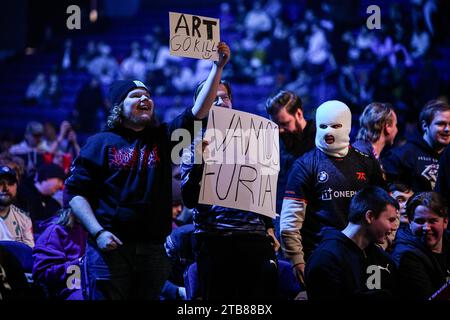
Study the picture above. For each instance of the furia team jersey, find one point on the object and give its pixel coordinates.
(327, 184)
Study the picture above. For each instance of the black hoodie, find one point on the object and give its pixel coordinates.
(421, 272)
(339, 269)
(414, 164)
(126, 176)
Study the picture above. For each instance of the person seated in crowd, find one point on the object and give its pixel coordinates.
(14, 162)
(349, 263)
(65, 148)
(36, 195)
(416, 163)
(33, 147)
(15, 224)
(402, 194)
(422, 251)
(179, 250)
(57, 256)
(13, 283)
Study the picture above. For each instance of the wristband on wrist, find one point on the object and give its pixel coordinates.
(98, 234)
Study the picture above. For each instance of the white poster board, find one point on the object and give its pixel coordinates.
(242, 161)
(194, 36)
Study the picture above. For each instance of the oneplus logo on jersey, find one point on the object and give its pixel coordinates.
(361, 176)
(322, 177)
(327, 194)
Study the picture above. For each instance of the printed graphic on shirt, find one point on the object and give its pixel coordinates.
(322, 177)
(430, 173)
(330, 194)
(361, 176)
(132, 157)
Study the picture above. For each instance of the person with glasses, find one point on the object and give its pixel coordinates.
(234, 249)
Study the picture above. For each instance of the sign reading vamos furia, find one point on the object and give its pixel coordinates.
(242, 161)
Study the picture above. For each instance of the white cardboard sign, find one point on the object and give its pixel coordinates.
(242, 161)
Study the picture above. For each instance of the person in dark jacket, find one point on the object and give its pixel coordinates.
(349, 264)
(179, 250)
(120, 190)
(36, 195)
(234, 249)
(297, 136)
(57, 256)
(416, 163)
(422, 251)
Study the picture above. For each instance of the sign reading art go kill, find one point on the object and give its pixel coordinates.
(194, 36)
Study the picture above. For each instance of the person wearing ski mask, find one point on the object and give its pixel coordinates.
(322, 183)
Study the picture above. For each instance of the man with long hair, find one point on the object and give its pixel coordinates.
(120, 190)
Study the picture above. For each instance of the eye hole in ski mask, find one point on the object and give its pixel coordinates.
(333, 124)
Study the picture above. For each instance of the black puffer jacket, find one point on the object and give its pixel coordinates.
(421, 272)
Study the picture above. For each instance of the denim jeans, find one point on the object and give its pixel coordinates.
(132, 271)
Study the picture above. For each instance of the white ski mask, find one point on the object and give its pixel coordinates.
(333, 124)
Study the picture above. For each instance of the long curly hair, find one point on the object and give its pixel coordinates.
(115, 116)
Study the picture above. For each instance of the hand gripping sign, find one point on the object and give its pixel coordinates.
(242, 161)
(194, 36)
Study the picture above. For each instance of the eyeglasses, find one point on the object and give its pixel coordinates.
(224, 98)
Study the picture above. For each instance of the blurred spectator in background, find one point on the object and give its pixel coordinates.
(35, 194)
(87, 56)
(68, 59)
(89, 106)
(13, 162)
(57, 256)
(133, 67)
(33, 147)
(104, 66)
(67, 140)
(53, 92)
(15, 224)
(36, 89)
(257, 20)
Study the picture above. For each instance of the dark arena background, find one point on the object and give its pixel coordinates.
(319, 49)
(58, 59)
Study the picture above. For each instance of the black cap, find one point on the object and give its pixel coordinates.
(51, 170)
(8, 172)
(120, 88)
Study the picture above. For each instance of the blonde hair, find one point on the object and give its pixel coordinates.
(373, 120)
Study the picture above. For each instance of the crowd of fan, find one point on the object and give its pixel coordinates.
(32, 172)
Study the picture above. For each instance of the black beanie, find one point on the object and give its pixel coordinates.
(50, 170)
(120, 88)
